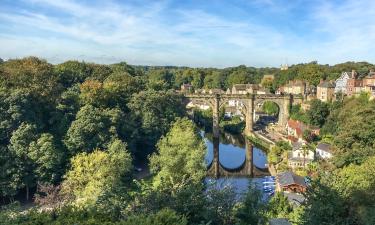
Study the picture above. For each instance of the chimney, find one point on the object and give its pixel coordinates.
(353, 74)
(321, 81)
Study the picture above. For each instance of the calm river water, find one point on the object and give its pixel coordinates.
(232, 155)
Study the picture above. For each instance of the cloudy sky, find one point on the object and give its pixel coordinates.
(203, 33)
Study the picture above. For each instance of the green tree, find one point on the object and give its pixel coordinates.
(250, 211)
(92, 174)
(93, 128)
(278, 207)
(19, 147)
(152, 115)
(181, 155)
(47, 158)
(270, 108)
(318, 113)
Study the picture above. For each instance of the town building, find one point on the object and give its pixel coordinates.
(354, 85)
(245, 89)
(216, 91)
(187, 88)
(369, 84)
(325, 91)
(284, 67)
(290, 182)
(295, 128)
(324, 150)
(300, 156)
(295, 87)
(342, 81)
(267, 80)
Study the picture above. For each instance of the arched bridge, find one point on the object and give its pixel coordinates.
(216, 101)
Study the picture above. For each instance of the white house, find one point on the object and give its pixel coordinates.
(324, 150)
(342, 81)
(300, 155)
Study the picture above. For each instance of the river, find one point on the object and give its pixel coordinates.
(232, 152)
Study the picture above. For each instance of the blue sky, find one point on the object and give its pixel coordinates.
(199, 33)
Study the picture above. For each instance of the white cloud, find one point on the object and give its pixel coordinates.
(156, 34)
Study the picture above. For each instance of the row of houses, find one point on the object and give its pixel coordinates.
(350, 84)
(301, 155)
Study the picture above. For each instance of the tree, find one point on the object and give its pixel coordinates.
(91, 174)
(93, 128)
(251, 209)
(19, 146)
(180, 155)
(278, 207)
(152, 115)
(318, 113)
(240, 76)
(32, 74)
(270, 108)
(47, 158)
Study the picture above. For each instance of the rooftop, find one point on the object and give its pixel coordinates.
(324, 146)
(327, 84)
(288, 178)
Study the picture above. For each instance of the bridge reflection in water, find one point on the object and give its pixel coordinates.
(233, 156)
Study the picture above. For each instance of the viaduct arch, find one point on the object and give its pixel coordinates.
(216, 101)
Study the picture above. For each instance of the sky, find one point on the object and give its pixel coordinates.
(196, 33)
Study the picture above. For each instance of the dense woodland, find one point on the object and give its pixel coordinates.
(70, 135)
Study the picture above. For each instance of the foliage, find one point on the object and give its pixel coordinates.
(318, 113)
(181, 155)
(276, 152)
(93, 128)
(250, 211)
(91, 174)
(270, 108)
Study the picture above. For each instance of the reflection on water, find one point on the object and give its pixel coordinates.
(232, 151)
(232, 154)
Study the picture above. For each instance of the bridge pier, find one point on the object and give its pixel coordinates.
(215, 117)
(249, 118)
(216, 162)
(249, 158)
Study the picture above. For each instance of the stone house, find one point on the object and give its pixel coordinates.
(290, 182)
(342, 81)
(300, 156)
(325, 91)
(354, 85)
(296, 87)
(187, 88)
(323, 150)
(242, 89)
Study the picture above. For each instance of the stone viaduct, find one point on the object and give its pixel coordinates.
(247, 108)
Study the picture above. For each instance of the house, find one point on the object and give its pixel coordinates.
(342, 81)
(290, 182)
(325, 91)
(267, 80)
(244, 89)
(354, 85)
(216, 91)
(186, 88)
(324, 150)
(369, 84)
(295, 199)
(300, 156)
(279, 221)
(296, 87)
(295, 128)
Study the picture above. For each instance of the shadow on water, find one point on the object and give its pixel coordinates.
(232, 154)
(232, 151)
